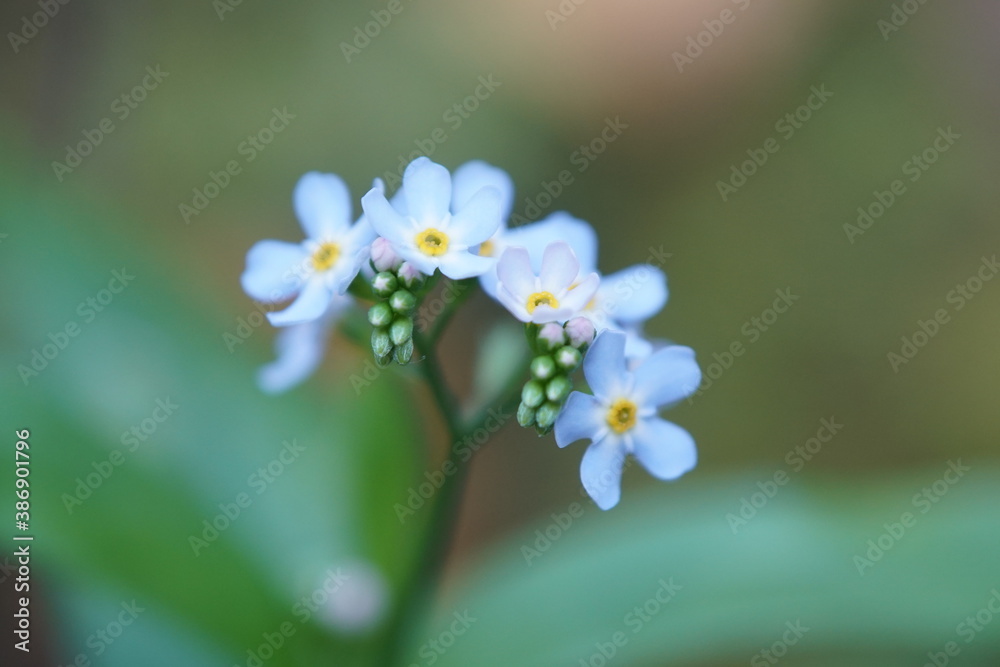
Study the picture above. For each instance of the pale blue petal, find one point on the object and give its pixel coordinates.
(461, 265)
(559, 226)
(310, 304)
(634, 294)
(604, 366)
(323, 205)
(668, 375)
(559, 267)
(428, 191)
(601, 471)
(274, 270)
(582, 417)
(665, 449)
(474, 175)
(386, 220)
(514, 272)
(477, 220)
(300, 349)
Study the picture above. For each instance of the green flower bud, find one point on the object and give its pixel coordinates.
(558, 389)
(533, 394)
(383, 361)
(404, 352)
(384, 284)
(543, 367)
(380, 315)
(545, 417)
(403, 302)
(401, 330)
(568, 358)
(381, 343)
(525, 415)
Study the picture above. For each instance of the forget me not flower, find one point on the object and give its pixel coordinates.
(555, 294)
(621, 417)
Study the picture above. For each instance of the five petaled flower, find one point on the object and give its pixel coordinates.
(621, 417)
(425, 231)
(556, 294)
(320, 267)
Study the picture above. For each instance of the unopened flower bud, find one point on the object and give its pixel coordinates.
(545, 417)
(383, 361)
(384, 283)
(401, 330)
(380, 314)
(580, 331)
(533, 393)
(410, 276)
(543, 367)
(525, 415)
(558, 389)
(404, 352)
(568, 358)
(402, 301)
(381, 343)
(550, 337)
(384, 258)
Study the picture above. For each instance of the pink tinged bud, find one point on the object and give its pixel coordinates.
(409, 273)
(580, 331)
(551, 336)
(384, 258)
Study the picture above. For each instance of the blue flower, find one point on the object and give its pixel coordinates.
(621, 417)
(320, 267)
(430, 231)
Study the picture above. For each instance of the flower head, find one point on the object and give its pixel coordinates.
(556, 294)
(426, 230)
(620, 419)
(320, 267)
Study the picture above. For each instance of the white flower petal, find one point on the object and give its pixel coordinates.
(559, 267)
(310, 304)
(472, 176)
(300, 349)
(514, 271)
(601, 471)
(463, 264)
(665, 449)
(512, 303)
(559, 226)
(274, 270)
(428, 191)
(634, 294)
(582, 417)
(668, 375)
(604, 366)
(477, 220)
(323, 205)
(387, 222)
(577, 298)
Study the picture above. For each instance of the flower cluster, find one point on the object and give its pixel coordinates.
(544, 273)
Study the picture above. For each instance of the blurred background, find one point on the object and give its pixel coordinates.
(843, 155)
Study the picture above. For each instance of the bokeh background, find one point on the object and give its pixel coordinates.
(559, 73)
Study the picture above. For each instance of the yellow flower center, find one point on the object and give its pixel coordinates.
(541, 299)
(325, 256)
(432, 242)
(622, 415)
(486, 248)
